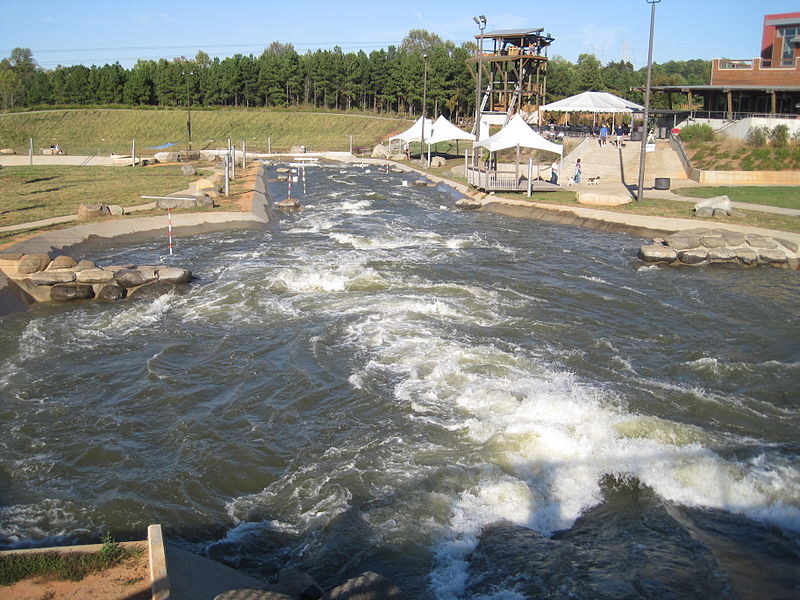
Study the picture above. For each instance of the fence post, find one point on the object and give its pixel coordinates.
(30, 150)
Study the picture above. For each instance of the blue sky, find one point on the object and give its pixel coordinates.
(81, 32)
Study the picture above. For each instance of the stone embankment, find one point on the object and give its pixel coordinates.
(721, 246)
(62, 279)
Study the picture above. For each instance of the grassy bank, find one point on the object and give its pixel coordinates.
(103, 131)
(33, 193)
(783, 196)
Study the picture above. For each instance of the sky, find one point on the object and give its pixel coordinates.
(70, 32)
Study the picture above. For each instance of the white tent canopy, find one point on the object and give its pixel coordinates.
(443, 131)
(593, 102)
(517, 133)
(414, 133)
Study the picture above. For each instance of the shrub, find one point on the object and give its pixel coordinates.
(697, 133)
(757, 136)
(779, 137)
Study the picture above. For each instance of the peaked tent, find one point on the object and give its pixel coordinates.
(443, 131)
(414, 133)
(593, 102)
(518, 133)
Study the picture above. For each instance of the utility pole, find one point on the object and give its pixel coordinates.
(643, 151)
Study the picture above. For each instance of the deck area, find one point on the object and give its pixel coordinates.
(489, 180)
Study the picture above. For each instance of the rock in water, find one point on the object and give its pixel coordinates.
(110, 293)
(68, 293)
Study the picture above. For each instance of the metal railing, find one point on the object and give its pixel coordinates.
(496, 180)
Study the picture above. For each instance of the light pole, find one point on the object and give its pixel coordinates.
(643, 151)
(424, 101)
(481, 23)
(188, 74)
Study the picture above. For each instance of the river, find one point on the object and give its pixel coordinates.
(474, 405)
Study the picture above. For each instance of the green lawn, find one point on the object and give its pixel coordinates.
(103, 131)
(783, 196)
(41, 192)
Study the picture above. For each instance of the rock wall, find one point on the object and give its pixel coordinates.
(720, 246)
(62, 279)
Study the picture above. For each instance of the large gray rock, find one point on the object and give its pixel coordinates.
(683, 240)
(438, 161)
(289, 204)
(92, 211)
(85, 265)
(747, 256)
(130, 278)
(791, 246)
(174, 275)
(772, 256)
(380, 151)
(658, 253)
(759, 241)
(184, 202)
(95, 276)
(718, 203)
(712, 240)
(62, 262)
(52, 277)
(115, 210)
(468, 204)
(155, 290)
(68, 293)
(111, 293)
(32, 263)
(733, 238)
(368, 586)
(721, 255)
(188, 170)
(297, 584)
(693, 256)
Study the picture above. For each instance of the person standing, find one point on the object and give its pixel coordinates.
(578, 171)
(554, 172)
(603, 134)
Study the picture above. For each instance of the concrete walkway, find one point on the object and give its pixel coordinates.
(23, 160)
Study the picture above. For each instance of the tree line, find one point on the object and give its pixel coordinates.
(390, 80)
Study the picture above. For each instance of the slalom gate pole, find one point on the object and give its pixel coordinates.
(304, 179)
(169, 229)
(289, 195)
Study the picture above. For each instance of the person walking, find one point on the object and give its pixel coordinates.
(603, 134)
(578, 171)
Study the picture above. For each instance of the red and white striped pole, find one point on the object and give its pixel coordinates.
(289, 195)
(169, 221)
(304, 179)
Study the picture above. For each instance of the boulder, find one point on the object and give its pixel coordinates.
(115, 210)
(68, 293)
(32, 263)
(683, 240)
(174, 275)
(771, 256)
(438, 161)
(747, 256)
(602, 199)
(85, 265)
(202, 186)
(468, 204)
(718, 203)
(153, 291)
(62, 262)
(759, 241)
(380, 151)
(398, 157)
(733, 238)
(112, 293)
(693, 256)
(368, 586)
(94, 276)
(658, 253)
(149, 273)
(188, 170)
(791, 246)
(719, 213)
(721, 255)
(130, 278)
(289, 204)
(52, 277)
(7, 151)
(296, 584)
(92, 211)
(166, 156)
(184, 202)
(712, 240)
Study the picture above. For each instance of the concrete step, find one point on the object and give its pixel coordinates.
(613, 164)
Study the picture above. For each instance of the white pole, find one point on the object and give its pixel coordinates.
(233, 161)
(227, 174)
(169, 229)
(466, 164)
(133, 153)
(530, 175)
(304, 179)
(30, 150)
(244, 154)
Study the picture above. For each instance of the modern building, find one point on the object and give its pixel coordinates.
(767, 86)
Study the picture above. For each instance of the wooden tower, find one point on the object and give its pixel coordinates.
(513, 71)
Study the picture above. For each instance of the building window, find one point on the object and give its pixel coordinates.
(787, 49)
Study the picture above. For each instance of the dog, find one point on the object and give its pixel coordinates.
(570, 181)
(593, 181)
